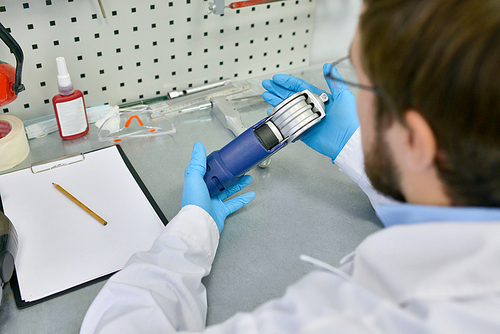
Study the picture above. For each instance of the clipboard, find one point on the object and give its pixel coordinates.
(119, 172)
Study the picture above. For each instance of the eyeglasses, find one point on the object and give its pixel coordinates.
(346, 66)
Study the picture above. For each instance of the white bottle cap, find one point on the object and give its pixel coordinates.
(63, 78)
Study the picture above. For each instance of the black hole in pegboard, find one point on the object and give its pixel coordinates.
(205, 17)
(97, 35)
(279, 51)
(31, 26)
(73, 19)
(235, 60)
(173, 73)
(94, 16)
(139, 80)
(152, 7)
(174, 88)
(308, 16)
(138, 64)
(235, 75)
(34, 46)
(70, 0)
(118, 50)
(141, 96)
(268, 6)
(251, 41)
(99, 54)
(281, 20)
(307, 31)
(267, 23)
(172, 57)
(116, 32)
(2, 9)
(77, 39)
(42, 84)
(237, 11)
(124, 100)
(250, 57)
(82, 76)
(170, 4)
(135, 28)
(48, 2)
(190, 85)
(295, 18)
(133, 10)
(171, 22)
(188, 36)
(136, 46)
(158, 92)
(280, 36)
(26, 5)
(104, 88)
(265, 54)
(120, 68)
(292, 48)
(305, 46)
(205, 66)
(190, 54)
(221, 31)
(39, 65)
(46, 101)
(266, 39)
(188, 19)
(297, 2)
(237, 28)
(155, 43)
(221, 47)
(221, 63)
(122, 84)
(252, 25)
(293, 33)
(205, 51)
(52, 23)
(282, 4)
(114, 13)
(157, 77)
(153, 25)
(277, 65)
(79, 58)
(250, 72)
(263, 69)
(155, 60)
(205, 82)
(172, 40)
(304, 60)
(56, 43)
(205, 34)
(26, 105)
(236, 44)
(253, 9)
(101, 71)
(291, 63)
(5, 110)
(188, 1)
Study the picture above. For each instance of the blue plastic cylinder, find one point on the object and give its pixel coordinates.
(225, 167)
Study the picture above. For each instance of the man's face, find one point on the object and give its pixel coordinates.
(380, 165)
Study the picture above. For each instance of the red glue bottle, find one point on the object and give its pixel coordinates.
(69, 106)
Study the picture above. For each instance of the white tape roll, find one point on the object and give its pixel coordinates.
(14, 147)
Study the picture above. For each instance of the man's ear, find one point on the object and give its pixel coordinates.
(420, 141)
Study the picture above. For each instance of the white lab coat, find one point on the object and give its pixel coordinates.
(419, 278)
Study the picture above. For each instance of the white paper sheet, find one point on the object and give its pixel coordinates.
(61, 245)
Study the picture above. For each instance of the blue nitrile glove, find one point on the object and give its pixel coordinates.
(330, 135)
(196, 192)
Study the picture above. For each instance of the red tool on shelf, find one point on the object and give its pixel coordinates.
(248, 3)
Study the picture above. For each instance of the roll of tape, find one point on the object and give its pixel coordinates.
(14, 147)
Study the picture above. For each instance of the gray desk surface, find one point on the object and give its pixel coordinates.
(304, 205)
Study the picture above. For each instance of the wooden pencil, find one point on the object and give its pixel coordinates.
(80, 204)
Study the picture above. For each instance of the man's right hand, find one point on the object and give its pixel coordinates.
(329, 136)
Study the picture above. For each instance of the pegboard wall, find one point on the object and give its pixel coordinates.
(144, 49)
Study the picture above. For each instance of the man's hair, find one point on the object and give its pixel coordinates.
(442, 58)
